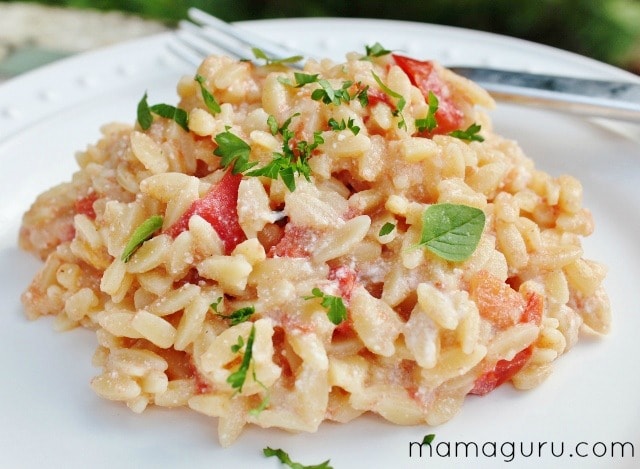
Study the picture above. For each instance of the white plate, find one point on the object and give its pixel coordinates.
(50, 416)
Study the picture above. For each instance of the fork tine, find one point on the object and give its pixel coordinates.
(247, 39)
(201, 40)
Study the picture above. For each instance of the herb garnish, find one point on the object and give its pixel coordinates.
(400, 104)
(342, 125)
(236, 317)
(207, 97)
(452, 231)
(470, 134)
(429, 122)
(286, 460)
(292, 159)
(233, 151)
(142, 233)
(375, 50)
(238, 377)
(260, 54)
(336, 310)
(386, 229)
(327, 94)
(145, 117)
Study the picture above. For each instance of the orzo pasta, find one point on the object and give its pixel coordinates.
(286, 247)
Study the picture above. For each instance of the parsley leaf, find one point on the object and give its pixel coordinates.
(142, 233)
(304, 79)
(452, 231)
(400, 104)
(292, 159)
(375, 50)
(238, 345)
(237, 378)
(362, 96)
(286, 460)
(386, 229)
(233, 151)
(178, 115)
(238, 316)
(260, 54)
(470, 134)
(342, 125)
(429, 122)
(207, 97)
(327, 94)
(145, 119)
(336, 310)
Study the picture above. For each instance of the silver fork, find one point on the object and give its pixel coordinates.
(618, 100)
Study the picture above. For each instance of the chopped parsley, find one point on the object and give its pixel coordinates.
(470, 134)
(329, 95)
(142, 233)
(375, 50)
(336, 310)
(238, 377)
(400, 103)
(305, 79)
(145, 119)
(386, 229)
(207, 97)
(286, 460)
(236, 317)
(429, 122)
(293, 159)
(452, 231)
(234, 152)
(260, 54)
(342, 125)
(145, 114)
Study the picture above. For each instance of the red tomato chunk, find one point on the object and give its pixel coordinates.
(219, 208)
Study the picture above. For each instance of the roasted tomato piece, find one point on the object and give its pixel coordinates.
(503, 372)
(219, 208)
(424, 75)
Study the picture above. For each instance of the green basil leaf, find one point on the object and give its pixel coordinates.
(140, 235)
(452, 231)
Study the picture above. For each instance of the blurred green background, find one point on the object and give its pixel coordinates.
(607, 30)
